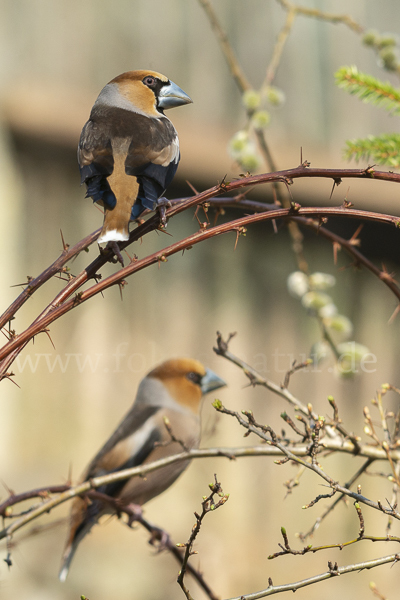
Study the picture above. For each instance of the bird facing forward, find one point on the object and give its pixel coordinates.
(171, 391)
(128, 151)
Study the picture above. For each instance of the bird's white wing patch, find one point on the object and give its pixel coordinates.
(137, 440)
(168, 154)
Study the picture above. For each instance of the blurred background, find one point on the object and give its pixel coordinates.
(56, 58)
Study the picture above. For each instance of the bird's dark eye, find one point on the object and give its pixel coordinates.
(149, 81)
(194, 377)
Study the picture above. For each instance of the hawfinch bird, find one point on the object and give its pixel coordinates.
(128, 152)
(172, 391)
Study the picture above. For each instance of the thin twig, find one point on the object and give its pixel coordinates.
(66, 493)
(226, 47)
(279, 46)
(330, 17)
(292, 587)
(332, 506)
(270, 438)
(208, 505)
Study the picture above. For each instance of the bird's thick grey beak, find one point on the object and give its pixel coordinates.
(210, 381)
(171, 95)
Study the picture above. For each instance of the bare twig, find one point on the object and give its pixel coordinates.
(279, 46)
(235, 69)
(256, 378)
(330, 17)
(53, 496)
(208, 505)
(267, 434)
(331, 507)
(292, 587)
(157, 536)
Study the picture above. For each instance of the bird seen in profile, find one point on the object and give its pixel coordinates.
(170, 394)
(128, 151)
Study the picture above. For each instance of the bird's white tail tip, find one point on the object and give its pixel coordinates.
(113, 235)
(66, 561)
(62, 576)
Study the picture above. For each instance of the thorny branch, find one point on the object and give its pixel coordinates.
(315, 225)
(69, 298)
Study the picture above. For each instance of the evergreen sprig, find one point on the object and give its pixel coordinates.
(383, 149)
(368, 88)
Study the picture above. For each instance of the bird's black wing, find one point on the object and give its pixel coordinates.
(96, 163)
(153, 157)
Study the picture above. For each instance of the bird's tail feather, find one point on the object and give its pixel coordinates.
(125, 188)
(70, 548)
(66, 561)
(76, 534)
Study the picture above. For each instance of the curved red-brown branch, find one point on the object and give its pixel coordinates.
(69, 297)
(60, 309)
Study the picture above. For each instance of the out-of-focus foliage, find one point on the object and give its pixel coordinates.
(383, 149)
(368, 88)
(385, 47)
(336, 328)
